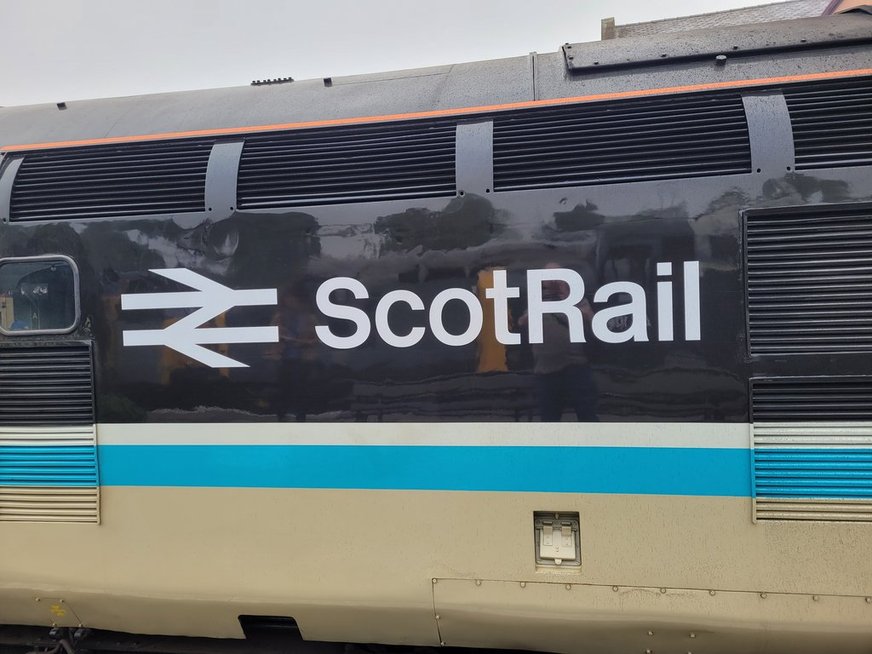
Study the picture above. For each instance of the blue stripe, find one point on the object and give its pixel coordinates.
(813, 473)
(661, 471)
(51, 466)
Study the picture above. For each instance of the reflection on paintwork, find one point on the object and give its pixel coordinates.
(426, 247)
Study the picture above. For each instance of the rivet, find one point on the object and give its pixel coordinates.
(435, 580)
(437, 616)
(650, 633)
(478, 582)
(647, 651)
(662, 590)
(442, 643)
(763, 595)
(712, 593)
(816, 598)
(523, 584)
(868, 600)
(60, 601)
(568, 586)
(692, 635)
(39, 600)
(615, 588)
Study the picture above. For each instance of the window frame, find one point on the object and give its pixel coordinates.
(76, 295)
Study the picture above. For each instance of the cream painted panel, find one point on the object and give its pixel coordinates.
(357, 565)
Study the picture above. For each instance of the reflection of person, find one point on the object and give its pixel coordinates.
(562, 371)
(297, 342)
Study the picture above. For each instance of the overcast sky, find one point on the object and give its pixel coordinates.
(56, 50)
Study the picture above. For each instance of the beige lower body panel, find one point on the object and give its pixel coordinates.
(616, 620)
(359, 566)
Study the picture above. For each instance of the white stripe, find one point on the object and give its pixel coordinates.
(813, 435)
(543, 434)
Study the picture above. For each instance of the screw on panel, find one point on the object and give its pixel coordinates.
(569, 587)
(712, 593)
(478, 582)
(662, 590)
(437, 616)
(434, 580)
(523, 584)
(647, 651)
(763, 595)
(815, 598)
(692, 635)
(868, 600)
(650, 633)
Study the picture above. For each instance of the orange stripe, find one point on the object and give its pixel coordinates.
(460, 111)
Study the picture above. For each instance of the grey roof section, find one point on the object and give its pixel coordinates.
(744, 16)
(468, 85)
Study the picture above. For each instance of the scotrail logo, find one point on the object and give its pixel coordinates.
(210, 299)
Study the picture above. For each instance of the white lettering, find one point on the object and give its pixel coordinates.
(332, 310)
(691, 301)
(636, 309)
(476, 317)
(538, 306)
(550, 290)
(382, 324)
(500, 294)
(664, 303)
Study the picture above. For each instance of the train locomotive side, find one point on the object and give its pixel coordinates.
(568, 352)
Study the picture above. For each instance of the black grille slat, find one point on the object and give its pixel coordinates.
(811, 399)
(627, 141)
(348, 164)
(832, 123)
(809, 280)
(112, 180)
(50, 385)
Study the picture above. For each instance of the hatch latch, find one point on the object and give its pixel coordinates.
(557, 538)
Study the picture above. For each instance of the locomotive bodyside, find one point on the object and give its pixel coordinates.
(308, 332)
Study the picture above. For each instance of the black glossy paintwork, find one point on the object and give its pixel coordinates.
(427, 246)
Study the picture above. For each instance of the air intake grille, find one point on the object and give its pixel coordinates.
(832, 123)
(46, 386)
(816, 399)
(812, 448)
(628, 141)
(48, 474)
(348, 164)
(809, 276)
(122, 180)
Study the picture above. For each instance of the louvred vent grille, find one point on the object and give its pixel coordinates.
(809, 275)
(628, 141)
(112, 180)
(791, 399)
(46, 385)
(348, 164)
(832, 123)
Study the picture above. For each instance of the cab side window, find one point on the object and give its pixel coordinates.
(38, 295)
